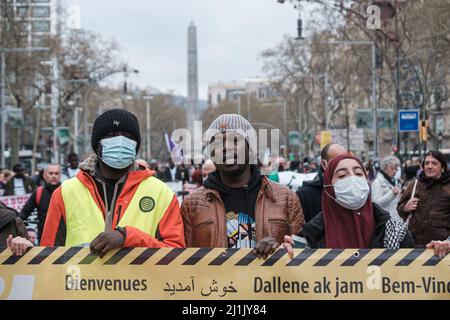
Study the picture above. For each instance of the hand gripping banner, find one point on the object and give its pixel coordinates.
(228, 274)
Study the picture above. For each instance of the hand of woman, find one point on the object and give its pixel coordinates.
(396, 190)
(441, 248)
(18, 245)
(411, 205)
(287, 244)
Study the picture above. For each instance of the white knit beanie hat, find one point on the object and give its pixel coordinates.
(236, 124)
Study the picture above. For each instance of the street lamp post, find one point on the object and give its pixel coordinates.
(284, 105)
(239, 102)
(126, 73)
(149, 148)
(75, 129)
(347, 119)
(327, 107)
(374, 79)
(249, 96)
(239, 105)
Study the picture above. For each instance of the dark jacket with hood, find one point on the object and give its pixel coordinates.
(42, 206)
(10, 224)
(28, 184)
(310, 196)
(314, 231)
(237, 199)
(182, 174)
(276, 210)
(431, 220)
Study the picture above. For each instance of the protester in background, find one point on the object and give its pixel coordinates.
(40, 198)
(154, 165)
(349, 218)
(197, 177)
(8, 174)
(182, 173)
(207, 168)
(371, 173)
(313, 167)
(237, 207)
(282, 164)
(385, 188)
(310, 193)
(411, 171)
(2, 183)
(38, 178)
(32, 237)
(113, 202)
(305, 167)
(428, 209)
(295, 166)
(19, 184)
(72, 169)
(169, 173)
(270, 170)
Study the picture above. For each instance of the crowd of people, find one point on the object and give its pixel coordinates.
(102, 202)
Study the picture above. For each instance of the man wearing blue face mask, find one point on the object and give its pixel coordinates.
(113, 202)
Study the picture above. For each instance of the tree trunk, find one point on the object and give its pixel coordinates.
(37, 132)
(15, 138)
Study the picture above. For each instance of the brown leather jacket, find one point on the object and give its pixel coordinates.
(277, 213)
(431, 219)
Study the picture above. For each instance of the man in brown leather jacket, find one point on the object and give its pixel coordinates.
(237, 207)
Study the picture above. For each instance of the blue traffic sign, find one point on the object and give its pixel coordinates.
(408, 120)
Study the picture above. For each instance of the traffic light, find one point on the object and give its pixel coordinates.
(423, 130)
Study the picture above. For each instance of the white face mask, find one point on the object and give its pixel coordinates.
(351, 192)
(398, 174)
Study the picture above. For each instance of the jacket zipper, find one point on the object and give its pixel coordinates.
(250, 238)
(97, 195)
(110, 217)
(118, 215)
(105, 195)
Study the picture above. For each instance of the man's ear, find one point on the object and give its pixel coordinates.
(323, 164)
(99, 150)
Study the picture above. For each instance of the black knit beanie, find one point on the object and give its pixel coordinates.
(112, 121)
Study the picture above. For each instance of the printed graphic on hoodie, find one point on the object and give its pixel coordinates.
(240, 230)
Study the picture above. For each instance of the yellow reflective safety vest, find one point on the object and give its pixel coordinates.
(84, 219)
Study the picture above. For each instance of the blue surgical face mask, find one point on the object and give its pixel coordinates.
(118, 152)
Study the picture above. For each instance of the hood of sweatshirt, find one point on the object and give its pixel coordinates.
(237, 199)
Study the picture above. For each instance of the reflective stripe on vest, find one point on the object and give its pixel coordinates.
(84, 219)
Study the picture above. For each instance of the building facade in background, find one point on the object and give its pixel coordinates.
(231, 91)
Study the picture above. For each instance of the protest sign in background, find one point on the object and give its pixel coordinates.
(15, 202)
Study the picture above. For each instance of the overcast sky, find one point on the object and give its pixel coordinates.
(153, 36)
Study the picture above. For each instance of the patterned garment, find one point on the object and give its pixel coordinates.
(240, 230)
(395, 233)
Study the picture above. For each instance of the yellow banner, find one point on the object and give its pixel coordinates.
(229, 274)
(325, 138)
